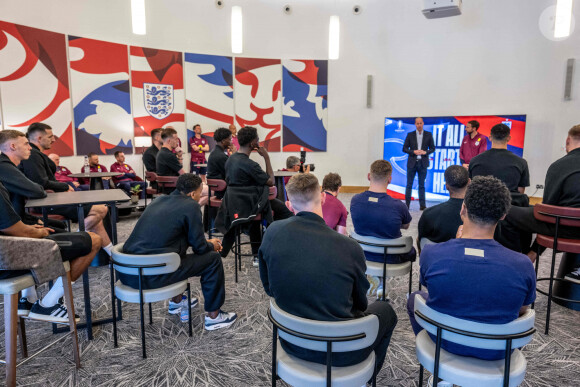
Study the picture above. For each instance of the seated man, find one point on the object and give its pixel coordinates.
(316, 273)
(292, 165)
(235, 145)
(62, 174)
(172, 223)
(150, 155)
(440, 223)
(499, 162)
(167, 163)
(561, 189)
(243, 174)
(129, 178)
(216, 162)
(473, 277)
(80, 249)
(96, 167)
(376, 214)
(333, 211)
(15, 148)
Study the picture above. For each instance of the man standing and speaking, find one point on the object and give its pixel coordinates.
(418, 145)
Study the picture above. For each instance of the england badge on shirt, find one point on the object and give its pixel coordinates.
(158, 99)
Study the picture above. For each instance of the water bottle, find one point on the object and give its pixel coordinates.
(86, 167)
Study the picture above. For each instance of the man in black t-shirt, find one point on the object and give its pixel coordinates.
(440, 223)
(167, 163)
(79, 248)
(172, 223)
(316, 273)
(561, 189)
(500, 163)
(241, 171)
(150, 155)
(216, 162)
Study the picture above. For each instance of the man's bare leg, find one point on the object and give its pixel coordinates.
(80, 264)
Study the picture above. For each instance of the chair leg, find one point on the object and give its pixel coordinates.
(189, 309)
(537, 265)
(22, 337)
(68, 298)
(410, 280)
(550, 291)
(420, 375)
(11, 329)
(150, 315)
(236, 251)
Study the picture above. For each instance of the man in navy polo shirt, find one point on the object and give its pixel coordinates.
(473, 277)
(376, 214)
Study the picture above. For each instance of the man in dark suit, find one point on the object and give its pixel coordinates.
(418, 160)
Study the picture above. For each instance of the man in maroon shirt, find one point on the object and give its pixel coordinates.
(96, 167)
(199, 146)
(62, 174)
(129, 178)
(473, 143)
(235, 145)
(333, 211)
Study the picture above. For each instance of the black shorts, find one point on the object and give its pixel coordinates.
(71, 244)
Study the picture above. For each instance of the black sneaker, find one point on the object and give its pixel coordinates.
(56, 313)
(574, 276)
(24, 307)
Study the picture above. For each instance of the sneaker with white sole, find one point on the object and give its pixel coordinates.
(375, 282)
(223, 320)
(24, 307)
(255, 262)
(56, 313)
(574, 276)
(380, 294)
(175, 307)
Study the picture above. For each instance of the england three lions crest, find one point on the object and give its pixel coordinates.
(158, 99)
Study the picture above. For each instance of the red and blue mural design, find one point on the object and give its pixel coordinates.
(209, 92)
(258, 98)
(448, 133)
(305, 113)
(100, 93)
(157, 90)
(34, 82)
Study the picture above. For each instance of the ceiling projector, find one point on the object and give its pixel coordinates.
(435, 9)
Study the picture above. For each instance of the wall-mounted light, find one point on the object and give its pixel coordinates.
(237, 34)
(563, 18)
(333, 37)
(138, 17)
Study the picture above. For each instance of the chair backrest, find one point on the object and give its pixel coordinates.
(369, 325)
(547, 213)
(151, 176)
(168, 181)
(400, 245)
(520, 325)
(170, 262)
(217, 185)
(424, 242)
(272, 192)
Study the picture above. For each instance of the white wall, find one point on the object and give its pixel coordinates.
(491, 60)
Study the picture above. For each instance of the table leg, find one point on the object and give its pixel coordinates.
(113, 207)
(86, 288)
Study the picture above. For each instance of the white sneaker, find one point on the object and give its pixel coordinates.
(440, 384)
(375, 282)
(223, 320)
(255, 262)
(175, 307)
(380, 293)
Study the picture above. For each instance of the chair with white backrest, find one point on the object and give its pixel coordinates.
(324, 336)
(422, 243)
(145, 265)
(383, 269)
(466, 370)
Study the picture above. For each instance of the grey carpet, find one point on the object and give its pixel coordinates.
(240, 355)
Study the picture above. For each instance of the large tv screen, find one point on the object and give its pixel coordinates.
(448, 132)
